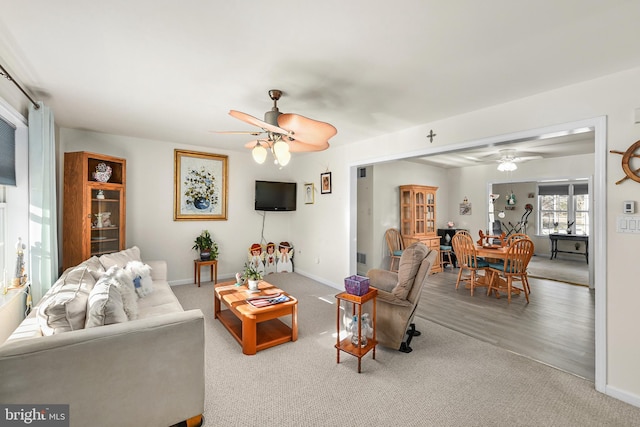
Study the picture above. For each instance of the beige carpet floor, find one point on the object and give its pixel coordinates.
(449, 379)
(573, 270)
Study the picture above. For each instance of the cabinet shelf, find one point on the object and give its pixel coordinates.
(106, 200)
(346, 346)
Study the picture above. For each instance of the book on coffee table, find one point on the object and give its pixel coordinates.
(266, 300)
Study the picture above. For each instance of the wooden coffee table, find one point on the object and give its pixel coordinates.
(255, 328)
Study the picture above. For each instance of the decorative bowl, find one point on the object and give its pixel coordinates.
(102, 173)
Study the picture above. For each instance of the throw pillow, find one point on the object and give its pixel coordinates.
(409, 264)
(105, 305)
(141, 274)
(95, 267)
(63, 308)
(120, 258)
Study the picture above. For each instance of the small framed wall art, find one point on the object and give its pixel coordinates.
(308, 193)
(200, 186)
(325, 183)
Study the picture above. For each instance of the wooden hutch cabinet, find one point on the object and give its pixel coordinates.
(418, 218)
(94, 213)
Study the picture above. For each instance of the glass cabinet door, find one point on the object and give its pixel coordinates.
(105, 220)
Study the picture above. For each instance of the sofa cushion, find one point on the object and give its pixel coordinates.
(63, 307)
(122, 280)
(105, 305)
(120, 258)
(409, 263)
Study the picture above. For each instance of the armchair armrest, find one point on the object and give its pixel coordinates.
(389, 298)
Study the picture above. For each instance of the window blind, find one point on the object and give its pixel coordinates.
(550, 190)
(7, 153)
(580, 189)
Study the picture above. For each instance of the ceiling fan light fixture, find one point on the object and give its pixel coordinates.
(280, 148)
(284, 158)
(259, 153)
(507, 166)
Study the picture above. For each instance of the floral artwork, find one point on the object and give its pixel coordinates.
(200, 186)
(200, 189)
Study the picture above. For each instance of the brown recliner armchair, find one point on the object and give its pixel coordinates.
(399, 294)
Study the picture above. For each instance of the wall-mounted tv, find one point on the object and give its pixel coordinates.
(275, 196)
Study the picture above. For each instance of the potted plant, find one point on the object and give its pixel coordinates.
(252, 275)
(207, 247)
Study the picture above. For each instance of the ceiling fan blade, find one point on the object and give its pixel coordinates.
(238, 132)
(257, 122)
(300, 147)
(306, 130)
(253, 143)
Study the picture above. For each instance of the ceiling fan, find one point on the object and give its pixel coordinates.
(506, 156)
(284, 133)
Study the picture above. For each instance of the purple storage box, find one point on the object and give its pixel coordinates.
(356, 285)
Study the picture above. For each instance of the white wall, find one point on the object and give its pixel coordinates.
(150, 223)
(614, 96)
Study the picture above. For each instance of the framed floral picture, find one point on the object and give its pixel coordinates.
(200, 186)
(325, 183)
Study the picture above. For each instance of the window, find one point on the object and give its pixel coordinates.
(7, 153)
(562, 204)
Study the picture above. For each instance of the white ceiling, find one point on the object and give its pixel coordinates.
(171, 71)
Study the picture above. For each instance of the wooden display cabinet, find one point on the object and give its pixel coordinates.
(349, 305)
(418, 218)
(84, 199)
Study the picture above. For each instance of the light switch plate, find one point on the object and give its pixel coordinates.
(628, 224)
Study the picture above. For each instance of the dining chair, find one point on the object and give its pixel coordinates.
(514, 237)
(396, 247)
(465, 251)
(513, 268)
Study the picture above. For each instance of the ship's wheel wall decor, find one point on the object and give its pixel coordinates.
(626, 158)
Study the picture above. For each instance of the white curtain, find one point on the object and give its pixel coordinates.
(43, 235)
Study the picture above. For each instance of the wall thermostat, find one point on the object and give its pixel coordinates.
(629, 207)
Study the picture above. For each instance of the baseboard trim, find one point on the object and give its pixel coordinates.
(630, 398)
(319, 279)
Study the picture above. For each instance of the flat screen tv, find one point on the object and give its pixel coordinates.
(275, 196)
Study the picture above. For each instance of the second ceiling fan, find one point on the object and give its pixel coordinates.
(285, 133)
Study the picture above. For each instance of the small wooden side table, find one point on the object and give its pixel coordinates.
(353, 307)
(197, 263)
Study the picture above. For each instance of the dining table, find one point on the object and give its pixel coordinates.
(494, 253)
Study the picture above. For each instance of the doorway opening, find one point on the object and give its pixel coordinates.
(598, 125)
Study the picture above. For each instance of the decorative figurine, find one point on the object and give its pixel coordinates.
(270, 258)
(19, 277)
(256, 257)
(284, 258)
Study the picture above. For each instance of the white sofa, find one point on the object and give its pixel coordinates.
(143, 372)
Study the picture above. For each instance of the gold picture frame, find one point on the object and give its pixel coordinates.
(200, 186)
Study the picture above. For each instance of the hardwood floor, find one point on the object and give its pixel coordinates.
(556, 328)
